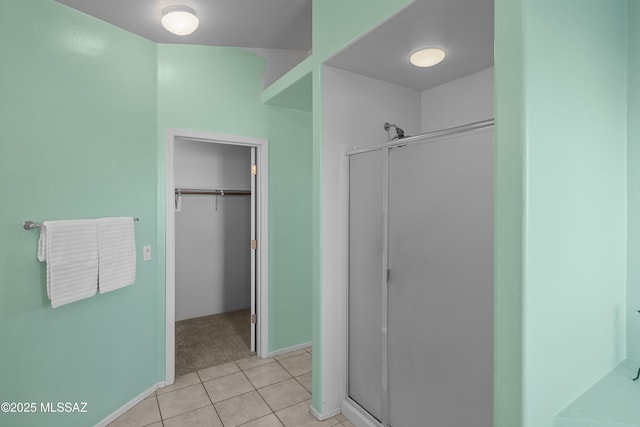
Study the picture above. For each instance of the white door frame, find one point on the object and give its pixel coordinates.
(262, 273)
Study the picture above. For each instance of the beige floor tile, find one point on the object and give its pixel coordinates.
(297, 365)
(252, 362)
(344, 423)
(218, 371)
(242, 409)
(305, 380)
(300, 416)
(203, 417)
(284, 394)
(341, 418)
(180, 382)
(309, 349)
(290, 354)
(158, 424)
(269, 421)
(142, 414)
(265, 375)
(183, 400)
(226, 387)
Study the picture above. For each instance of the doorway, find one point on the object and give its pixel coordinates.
(216, 249)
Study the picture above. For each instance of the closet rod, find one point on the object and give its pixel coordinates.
(188, 191)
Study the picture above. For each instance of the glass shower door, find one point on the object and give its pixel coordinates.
(366, 243)
(441, 282)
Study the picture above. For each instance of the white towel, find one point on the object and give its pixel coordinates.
(116, 253)
(70, 249)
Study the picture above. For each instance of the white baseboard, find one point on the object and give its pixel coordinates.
(130, 404)
(288, 349)
(357, 416)
(324, 416)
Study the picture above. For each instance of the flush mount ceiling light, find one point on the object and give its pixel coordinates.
(180, 20)
(427, 57)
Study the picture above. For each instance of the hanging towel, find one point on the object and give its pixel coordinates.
(70, 249)
(116, 253)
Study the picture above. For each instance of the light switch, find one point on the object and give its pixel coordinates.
(146, 253)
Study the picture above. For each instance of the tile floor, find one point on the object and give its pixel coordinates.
(250, 392)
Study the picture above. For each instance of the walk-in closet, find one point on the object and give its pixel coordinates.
(212, 254)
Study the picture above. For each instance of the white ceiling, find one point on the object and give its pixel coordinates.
(266, 24)
(464, 28)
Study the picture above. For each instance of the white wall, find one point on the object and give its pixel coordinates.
(355, 109)
(212, 245)
(466, 100)
(202, 164)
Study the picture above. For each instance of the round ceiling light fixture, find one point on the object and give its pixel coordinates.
(180, 20)
(427, 57)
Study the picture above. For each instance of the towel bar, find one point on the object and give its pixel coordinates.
(31, 225)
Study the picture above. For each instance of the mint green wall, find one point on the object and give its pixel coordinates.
(207, 88)
(633, 183)
(219, 90)
(297, 95)
(289, 227)
(574, 296)
(509, 213)
(572, 135)
(335, 24)
(78, 140)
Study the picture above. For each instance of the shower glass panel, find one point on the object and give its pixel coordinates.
(365, 280)
(440, 300)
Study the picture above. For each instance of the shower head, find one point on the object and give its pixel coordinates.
(399, 131)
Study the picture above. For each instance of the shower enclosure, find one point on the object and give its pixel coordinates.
(420, 257)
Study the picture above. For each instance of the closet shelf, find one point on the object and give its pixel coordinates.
(179, 192)
(210, 191)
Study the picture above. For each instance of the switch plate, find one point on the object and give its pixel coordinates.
(146, 253)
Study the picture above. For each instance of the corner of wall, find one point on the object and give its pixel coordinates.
(633, 180)
(509, 213)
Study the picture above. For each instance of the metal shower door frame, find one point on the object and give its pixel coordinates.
(471, 128)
